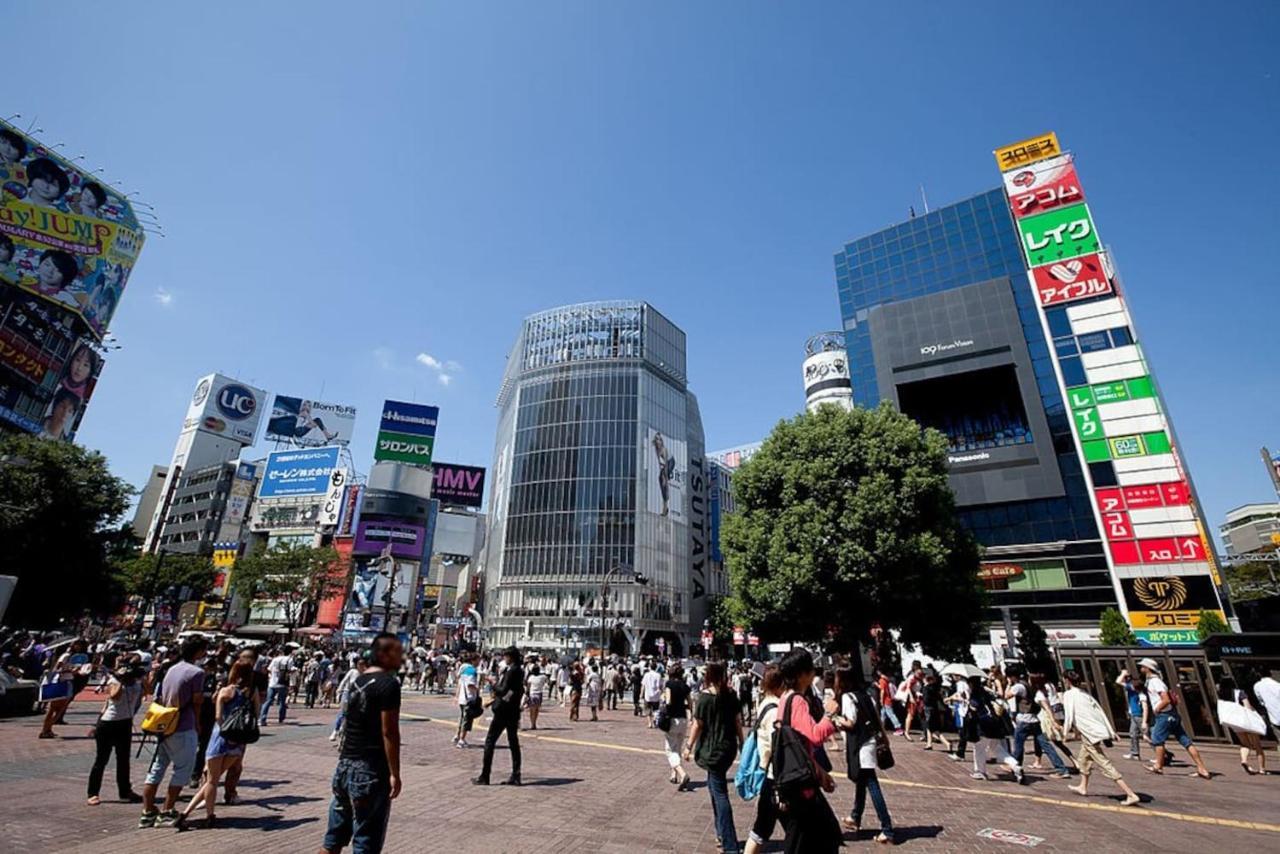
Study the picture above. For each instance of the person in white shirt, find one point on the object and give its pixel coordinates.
(651, 687)
(1083, 715)
(344, 691)
(278, 672)
(1267, 690)
(1164, 706)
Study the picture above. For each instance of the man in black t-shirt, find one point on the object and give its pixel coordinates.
(505, 708)
(367, 778)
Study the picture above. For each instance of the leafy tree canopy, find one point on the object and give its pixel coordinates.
(293, 575)
(60, 514)
(150, 576)
(1114, 629)
(844, 520)
(1211, 624)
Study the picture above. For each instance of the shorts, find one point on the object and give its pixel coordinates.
(535, 699)
(179, 750)
(1167, 725)
(653, 707)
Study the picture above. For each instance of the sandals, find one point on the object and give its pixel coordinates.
(851, 825)
(94, 801)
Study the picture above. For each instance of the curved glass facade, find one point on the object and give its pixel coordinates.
(598, 467)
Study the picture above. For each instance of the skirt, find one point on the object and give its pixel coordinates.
(218, 746)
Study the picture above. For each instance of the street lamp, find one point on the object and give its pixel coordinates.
(622, 571)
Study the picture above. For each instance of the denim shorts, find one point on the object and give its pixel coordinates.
(360, 807)
(179, 750)
(1169, 725)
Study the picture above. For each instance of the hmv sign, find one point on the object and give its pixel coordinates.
(459, 485)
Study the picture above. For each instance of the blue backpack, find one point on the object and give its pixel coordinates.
(750, 777)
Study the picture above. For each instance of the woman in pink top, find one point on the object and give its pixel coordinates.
(810, 825)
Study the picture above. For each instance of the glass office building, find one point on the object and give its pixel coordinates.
(599, 475)
(939, 318)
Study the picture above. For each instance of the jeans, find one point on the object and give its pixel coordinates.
(1169, 725)
(511, 724)
(109, 736)
(282, 693)
(887, 715)
(1020, 733)
(179, 750)
(1135, 736)
(867, 781)
(360, 807)
(718, 786)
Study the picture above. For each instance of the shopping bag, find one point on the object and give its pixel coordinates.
(1240, 718)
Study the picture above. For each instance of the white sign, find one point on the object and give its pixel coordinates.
(331, 510)
(310, 423)
(225, 407)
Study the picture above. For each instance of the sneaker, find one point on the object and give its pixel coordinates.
(1062, 775)
(978, 775)
(1022, 778)
(884, 838)
(148, 819)
(955, 758)
(166, 818)
(333, 736)
(1130, 756)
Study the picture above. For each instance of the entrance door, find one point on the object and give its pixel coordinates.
(1200, 702)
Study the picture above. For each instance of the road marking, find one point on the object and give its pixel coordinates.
(1012, 836)
(1137, 811)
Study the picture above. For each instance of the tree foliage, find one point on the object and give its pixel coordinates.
(60, 516)
(1210, 624)
(151, 575)
(1033, 643)
(296, 576)
(844, 520)
(1114, 629)
(1254, 580)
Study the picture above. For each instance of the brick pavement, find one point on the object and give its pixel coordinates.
(595, 787)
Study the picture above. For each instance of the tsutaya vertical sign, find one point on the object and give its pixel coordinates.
(1161, 561)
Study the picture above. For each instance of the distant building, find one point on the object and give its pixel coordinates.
(826, 372)
(148, 500)
(1251, 529)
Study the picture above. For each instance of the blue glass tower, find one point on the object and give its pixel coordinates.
(904, 292)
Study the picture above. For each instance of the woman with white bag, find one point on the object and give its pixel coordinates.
(1237, 714)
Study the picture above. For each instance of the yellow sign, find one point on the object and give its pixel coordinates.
(1167, 619)
(1275, 539)
(1028, 151)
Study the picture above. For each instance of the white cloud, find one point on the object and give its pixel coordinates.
(164, 297)
(444, 369)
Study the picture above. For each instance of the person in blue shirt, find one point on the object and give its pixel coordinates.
(1135, 696)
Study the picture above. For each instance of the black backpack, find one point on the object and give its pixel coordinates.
(791, 763)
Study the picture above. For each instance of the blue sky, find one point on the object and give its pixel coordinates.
(346, 187)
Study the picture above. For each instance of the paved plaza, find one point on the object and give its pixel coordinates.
(601, 787)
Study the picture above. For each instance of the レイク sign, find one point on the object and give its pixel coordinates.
(1058, 235)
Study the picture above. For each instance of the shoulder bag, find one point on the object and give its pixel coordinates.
(792, 763)
(240, 726)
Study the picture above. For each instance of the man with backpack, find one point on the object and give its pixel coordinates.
(181, 695)
(1163, 704)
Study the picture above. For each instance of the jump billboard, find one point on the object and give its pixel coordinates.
(64, 236)
(291, 474)
(310, 423)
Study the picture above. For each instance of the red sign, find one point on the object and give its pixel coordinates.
(1158, 550)
(1067, 281)
(1117, 525)
(1043, 186)
(1125, 551)
(739, 635)
(992, 571)
(24, 358)
(1136, 497)
(1110, 499)
(1175, 494)
(753, 640)
(707, 637)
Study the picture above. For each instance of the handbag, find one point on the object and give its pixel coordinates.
(662, 720)
(884, 754)
(241, 725)
(53, 691)
(1240, 718)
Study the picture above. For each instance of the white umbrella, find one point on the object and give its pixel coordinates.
(962, 670)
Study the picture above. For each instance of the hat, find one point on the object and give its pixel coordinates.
(1149, 663)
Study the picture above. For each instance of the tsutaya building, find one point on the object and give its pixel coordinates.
(1161, 561)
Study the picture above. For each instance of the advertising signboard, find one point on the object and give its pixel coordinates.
(1151, 524)
(1048, 184)
(666, 468)
(310, 423)
(1067, 281)
(407, 539)
(406, 433)
(1027, 151)
(298, 473)
(1058, 235)
(458, 484)
(64, 236)
(225, 407)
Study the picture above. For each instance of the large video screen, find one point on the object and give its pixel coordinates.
(975, 410)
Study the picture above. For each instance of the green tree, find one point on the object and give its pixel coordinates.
(1210, 624)
(844, 520)
(152, 576)
(1254, 580)
(296, 576)
(60, 513)
(1114, 629)
(1033, 643)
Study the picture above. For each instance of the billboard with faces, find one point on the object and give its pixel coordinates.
(64, 236)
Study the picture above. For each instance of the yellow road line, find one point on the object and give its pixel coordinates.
(1137, 812)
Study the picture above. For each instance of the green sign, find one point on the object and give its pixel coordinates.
(1058, 235)
(1083, 396)
(1157, 443)
(1110, 392)
(1087, 424)
(1096, 451)
(1171, 637)
(1140, 387)
(1126, 446)
(404, 448)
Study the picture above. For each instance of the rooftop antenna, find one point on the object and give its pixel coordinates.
(14, 116)
(924, 198)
